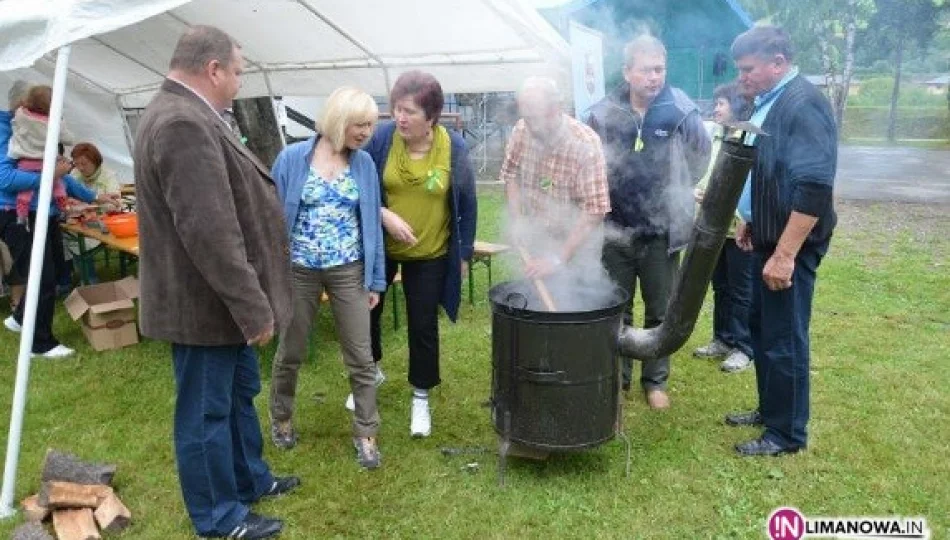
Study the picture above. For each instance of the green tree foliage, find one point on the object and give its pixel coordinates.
(900, 26)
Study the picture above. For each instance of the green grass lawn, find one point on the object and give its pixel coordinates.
(879, 430)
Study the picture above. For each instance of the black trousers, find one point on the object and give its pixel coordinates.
(422, 283)
(19, 239)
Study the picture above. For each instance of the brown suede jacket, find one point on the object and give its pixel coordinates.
(214, 262)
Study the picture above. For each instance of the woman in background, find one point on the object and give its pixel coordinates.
(88, 169)
(331, 200)
(429, 216)
(732, 277)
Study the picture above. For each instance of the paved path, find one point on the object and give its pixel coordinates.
(893, 174)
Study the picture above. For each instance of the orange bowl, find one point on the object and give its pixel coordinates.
(122, 225)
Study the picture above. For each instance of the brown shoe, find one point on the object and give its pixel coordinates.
(658, 399)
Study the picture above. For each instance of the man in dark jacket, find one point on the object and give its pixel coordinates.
(656, 149)
(215, 280)
(792, 221)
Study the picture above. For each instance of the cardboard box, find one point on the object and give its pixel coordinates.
(107, 312)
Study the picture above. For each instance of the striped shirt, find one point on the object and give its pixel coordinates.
(568, 170)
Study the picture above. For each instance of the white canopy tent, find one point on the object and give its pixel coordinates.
(112, 54)
(293, 48)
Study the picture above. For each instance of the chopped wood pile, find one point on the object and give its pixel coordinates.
(77, 497)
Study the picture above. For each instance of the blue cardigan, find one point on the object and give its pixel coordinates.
(13, 180)
(462, 205)
(290, 173)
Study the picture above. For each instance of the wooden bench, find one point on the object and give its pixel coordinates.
(395, 300)
(483, 253)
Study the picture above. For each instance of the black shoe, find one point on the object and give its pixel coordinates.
(254, 527)
(281, 485)
(751, 418)
(765, 447)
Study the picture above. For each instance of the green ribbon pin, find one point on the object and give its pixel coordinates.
(638, 142)
(433, 179)
(546, 183)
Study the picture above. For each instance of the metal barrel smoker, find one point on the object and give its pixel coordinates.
(556, 375)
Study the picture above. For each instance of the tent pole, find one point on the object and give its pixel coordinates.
(129, 139)
(33, 284)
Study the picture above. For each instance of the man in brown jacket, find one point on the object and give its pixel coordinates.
(215, 280)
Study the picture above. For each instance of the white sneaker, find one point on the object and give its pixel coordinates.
(12, 325)
(380, 379)
(714, 349)
(59, 351)
(735, 362)
(421, 423)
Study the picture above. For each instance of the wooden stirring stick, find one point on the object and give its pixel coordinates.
(546, 298)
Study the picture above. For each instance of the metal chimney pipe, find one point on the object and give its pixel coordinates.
(709, 231)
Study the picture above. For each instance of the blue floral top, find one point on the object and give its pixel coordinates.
(327, 230)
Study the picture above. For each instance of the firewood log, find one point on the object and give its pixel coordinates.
(69, 495)
(63, 467)
(31, 531)
(75, 524)
(33, 510)
(112, 515)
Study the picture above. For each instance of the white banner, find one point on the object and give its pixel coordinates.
(587, 67)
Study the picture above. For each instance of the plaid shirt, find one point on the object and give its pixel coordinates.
(569, 170)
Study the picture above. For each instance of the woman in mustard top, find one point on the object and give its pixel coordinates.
(428, 215)
(732, 278)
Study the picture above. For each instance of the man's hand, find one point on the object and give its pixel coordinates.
(540, 267)
(63, 166)
(398, 228)
(698, 194)
(263, 338)
(373, 298)
(744, 236)
(778, 271)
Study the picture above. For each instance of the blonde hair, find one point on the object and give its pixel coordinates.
(345, 106)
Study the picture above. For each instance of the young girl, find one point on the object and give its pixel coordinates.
(30, 123)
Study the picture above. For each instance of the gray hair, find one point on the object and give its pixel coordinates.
(543, 87)
(644, 43)
(763, 41)
(17, 93)
(202, 44)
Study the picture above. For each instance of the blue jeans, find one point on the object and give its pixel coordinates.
(218, 441)
(779, 326)
(732, 297)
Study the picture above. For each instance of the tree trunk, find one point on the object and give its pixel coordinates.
(828, 64)
(892, 116)
(851, 29)
(258, 123)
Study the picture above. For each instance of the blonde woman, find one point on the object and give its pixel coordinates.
(330, 193)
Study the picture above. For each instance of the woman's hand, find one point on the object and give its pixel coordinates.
(63, 166)
(398, 228)
(373, 299)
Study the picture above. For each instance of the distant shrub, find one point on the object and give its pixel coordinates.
(877, 92)
(912, 122)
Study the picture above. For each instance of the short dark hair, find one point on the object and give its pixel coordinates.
(763, 41)
(738, 104)
(200, 45)
(425, 91)
(88, 150)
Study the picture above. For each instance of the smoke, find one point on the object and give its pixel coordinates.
(581, 284)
